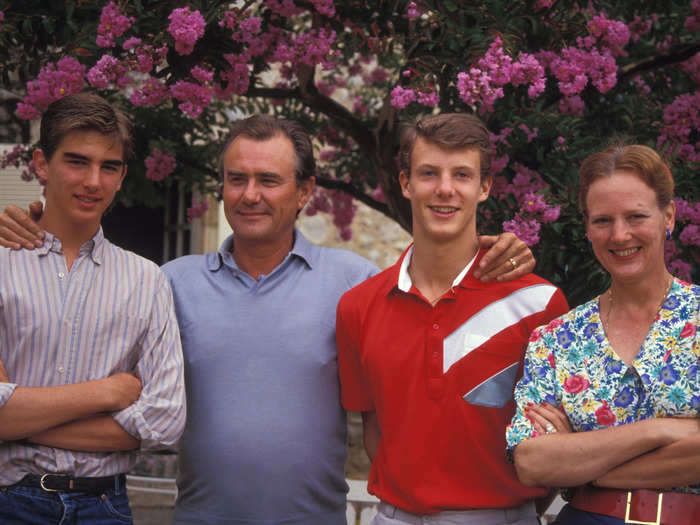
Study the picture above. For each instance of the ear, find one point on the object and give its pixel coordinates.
(41, 165)
(670, 216)
(485, 188)
(304, 191)
(404, 181)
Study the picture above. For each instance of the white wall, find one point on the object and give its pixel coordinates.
(13, 190)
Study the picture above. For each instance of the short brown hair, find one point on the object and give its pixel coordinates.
(264, 127)
(84, 112)
(450, 131)
(640, 160)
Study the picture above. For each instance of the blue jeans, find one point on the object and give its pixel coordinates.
(572, 516)
(34, 506)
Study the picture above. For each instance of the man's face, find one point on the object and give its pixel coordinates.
(444, 188)
(261, 195)
(82, 177)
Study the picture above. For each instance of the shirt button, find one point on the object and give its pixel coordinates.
(61, 275)
(61, 369)
(436, 326)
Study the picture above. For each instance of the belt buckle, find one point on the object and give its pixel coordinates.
(658, 511)
(44, 487)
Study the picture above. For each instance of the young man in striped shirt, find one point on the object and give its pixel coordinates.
(429, 354)
(90, 356)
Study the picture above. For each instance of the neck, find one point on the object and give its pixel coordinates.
(260, 258)
(434, 265)
(72, 235)
(647, 294)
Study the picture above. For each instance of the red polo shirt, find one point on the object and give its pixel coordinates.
(441, 381)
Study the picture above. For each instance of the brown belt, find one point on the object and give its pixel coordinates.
(650, 507)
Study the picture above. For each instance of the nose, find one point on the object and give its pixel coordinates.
(92, 178)
(251, 194)
(445, 187)
(620, 231)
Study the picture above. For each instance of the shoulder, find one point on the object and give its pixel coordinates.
(367, 290)
(134, 260)
(187, 264)
(342, 264)
(570, 323)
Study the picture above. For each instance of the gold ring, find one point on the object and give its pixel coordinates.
(513, 262)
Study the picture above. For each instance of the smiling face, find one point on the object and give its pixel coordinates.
(82, 177)
(444, 188)
(261, 194)
(626, 227)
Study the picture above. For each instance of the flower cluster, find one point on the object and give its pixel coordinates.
(2, 17)
(113, 24)
(483, 85)
(186, 27)
(612, 33)
(412, 11)
(339, 204)
(151, 93)
(528, 191)
(681, 119)
(194, 96)
(197, 210)
(159, 165)
(107, 71)
(285, 8)
(53, 82)
(19, 156)
(692, 23)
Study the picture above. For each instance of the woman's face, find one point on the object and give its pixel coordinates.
(626, 227)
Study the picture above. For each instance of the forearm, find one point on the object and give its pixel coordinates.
(370, 433)
(93, 434)
(674, 465)
(566, 460)
(31, 410)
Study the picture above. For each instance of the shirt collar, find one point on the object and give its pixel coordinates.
(301, 248)
(94, 247)
(404, 282)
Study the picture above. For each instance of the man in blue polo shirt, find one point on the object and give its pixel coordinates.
(265, 440)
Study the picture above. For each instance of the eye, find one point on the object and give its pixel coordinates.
(462, 175)
(427, 173)
(600, 221)
(235, 178)
(269, 181)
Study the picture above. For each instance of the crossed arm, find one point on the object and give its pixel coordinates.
(654, 453)
(70, 416)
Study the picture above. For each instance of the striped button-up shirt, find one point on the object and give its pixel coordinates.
(113, 312)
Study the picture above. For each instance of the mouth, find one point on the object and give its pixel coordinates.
(87, 200)
(443, 210)
(625, 253)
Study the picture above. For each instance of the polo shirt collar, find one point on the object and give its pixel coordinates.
(301, 249)
(94, 247)
(404, 282)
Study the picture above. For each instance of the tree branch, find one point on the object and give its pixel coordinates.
(676, 55)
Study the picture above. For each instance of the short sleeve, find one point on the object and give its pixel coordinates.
(537, 385)
(354, 391)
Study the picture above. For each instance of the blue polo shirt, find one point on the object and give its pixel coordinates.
(265, 439)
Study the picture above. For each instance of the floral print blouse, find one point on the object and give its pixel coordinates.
(569, 363)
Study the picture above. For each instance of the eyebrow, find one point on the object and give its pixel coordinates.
(456, 168)
(256, 174)
(78, 156)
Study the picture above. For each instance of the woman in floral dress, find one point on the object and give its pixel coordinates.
(610, 397)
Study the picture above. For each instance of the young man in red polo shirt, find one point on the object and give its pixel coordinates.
(430, 355)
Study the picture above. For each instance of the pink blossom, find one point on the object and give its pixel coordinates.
(197, 210)
(681, 269)
(159, 165)
(314, 47)
(529, 133)
(543, 4)
(430, 99)
(286, 8)
(690, 236)
(378, 194)
(131, 43)
(107, 71)
(681, 117)
(686, 211)
(193, 97)
(498, 164)
(2, 17)
(401, 97)
(343, 210)
(638, 28)
(551, 213)
(53, 82)
(412, 11)
(527, 230)
(186, 27)
(237, 78)
(113, 24)
(325, 7)
(571, 106)
(151, 93)
(692, 67)
(613, 33)
(202, 75)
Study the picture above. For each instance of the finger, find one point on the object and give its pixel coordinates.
(28, 221)
(495, 248)
(4, 378)
(538, 421)
(18, 227)
(555, 416)
(36, 210)
(10, 239)
(507, 259)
